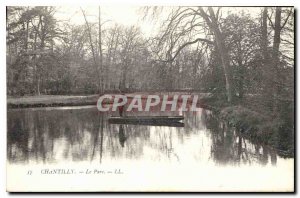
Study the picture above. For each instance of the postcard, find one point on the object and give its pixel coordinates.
(114, 98)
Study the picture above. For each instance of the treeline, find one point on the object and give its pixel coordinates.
(196, 48)
(45, 56)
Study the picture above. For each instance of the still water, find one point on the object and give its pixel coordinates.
(82, 134)
(202, 155)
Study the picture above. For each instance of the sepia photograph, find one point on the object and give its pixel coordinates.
(114, 98)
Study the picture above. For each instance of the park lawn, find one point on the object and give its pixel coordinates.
(51, 100)
(66, 100)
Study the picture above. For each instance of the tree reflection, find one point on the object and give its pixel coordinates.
(122, 136)
(17, 139)
(230, 147)
(50, 136)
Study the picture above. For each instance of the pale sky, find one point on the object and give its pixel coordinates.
(125, 15)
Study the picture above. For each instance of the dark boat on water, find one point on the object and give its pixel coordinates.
(148, 120)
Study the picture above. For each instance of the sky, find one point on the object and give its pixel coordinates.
(125, 15)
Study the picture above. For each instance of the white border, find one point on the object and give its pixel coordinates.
(156, 2)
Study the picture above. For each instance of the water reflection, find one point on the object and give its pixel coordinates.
(122, 137)
(228, 146)
(57, 135)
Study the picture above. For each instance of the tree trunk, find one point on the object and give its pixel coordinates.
(34, 58)
(38, 86)
(93, 51)
(264, 33)
(213, 25)
(267, 71)
(100, 53)
(276, 61)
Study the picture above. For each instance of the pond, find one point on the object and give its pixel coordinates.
(61, 135)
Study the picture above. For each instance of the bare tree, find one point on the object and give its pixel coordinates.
(212, 21)
(185, 27)
(93, 51)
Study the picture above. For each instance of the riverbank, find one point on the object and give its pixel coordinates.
(260, 128)
(51, 101)
(64, 100)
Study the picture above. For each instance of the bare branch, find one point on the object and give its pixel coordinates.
(186, 44)
(270, 20)
(286, 18)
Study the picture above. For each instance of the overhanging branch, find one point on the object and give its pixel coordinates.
(186, 44)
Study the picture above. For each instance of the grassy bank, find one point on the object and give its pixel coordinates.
(63, 100)
(51, 101)
(261, 128)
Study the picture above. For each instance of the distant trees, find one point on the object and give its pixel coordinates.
(277, 63)
(30, 41)
(236, 41)
(95, 56)
(230, 54)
